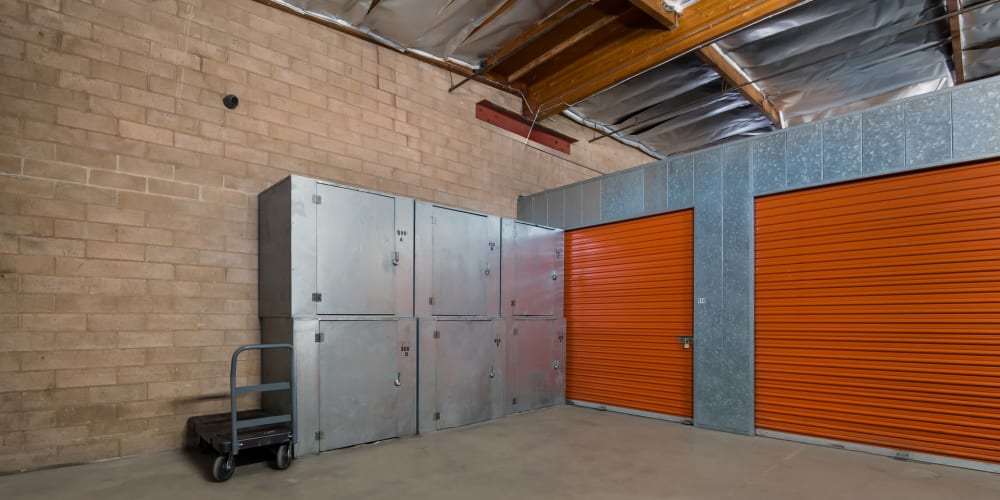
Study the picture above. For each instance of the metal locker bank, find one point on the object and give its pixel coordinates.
(336, 281)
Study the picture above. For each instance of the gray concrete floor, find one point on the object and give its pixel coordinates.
(563, 452)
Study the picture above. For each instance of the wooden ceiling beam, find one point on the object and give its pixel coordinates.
(642, 49)
(670, 19)
(563, 45)
(712, 55)
(569, 10)
(955, 25)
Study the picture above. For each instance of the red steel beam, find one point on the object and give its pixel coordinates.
(514, 122)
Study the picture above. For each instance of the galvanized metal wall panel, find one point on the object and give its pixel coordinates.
(574, 206)
(557, 209)
(709, 341)
(621, 196)
(524, 208)
(804, 162)
(977, 120)
(590, 212)
(680, 181)
(884, 139)
(769, 162)
(540, 209)
(928, 130)
(654, 187)
(731, 409)
(274, 236)
(842, 148)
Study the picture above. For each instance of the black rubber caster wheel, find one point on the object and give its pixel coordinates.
(283, 457)
(223, 468)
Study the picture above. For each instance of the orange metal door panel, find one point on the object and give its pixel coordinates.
(629, 289)
(878, 312)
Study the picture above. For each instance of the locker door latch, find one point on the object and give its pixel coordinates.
(687, 341)
(397, 382)
(395, 258)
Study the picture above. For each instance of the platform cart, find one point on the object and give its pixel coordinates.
(230, 433)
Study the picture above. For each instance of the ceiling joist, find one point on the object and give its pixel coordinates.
(658, 10)
(712, 55)
(955, 25)
(638, 50)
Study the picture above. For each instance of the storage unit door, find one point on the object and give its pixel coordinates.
(367, 382)
(460, 263)
(629, 289)
(536, 268)
(356, 252)
(878, 312)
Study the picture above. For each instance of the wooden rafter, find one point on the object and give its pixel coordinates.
(539, 29)
(561, 46)
(712, 55)
(955, 24)
(668, 18)
(641, 49)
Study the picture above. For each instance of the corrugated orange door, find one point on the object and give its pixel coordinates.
(629, 288)
(878, 312)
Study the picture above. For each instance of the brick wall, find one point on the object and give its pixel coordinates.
(127, 195)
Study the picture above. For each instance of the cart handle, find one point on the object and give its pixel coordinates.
(233, 422)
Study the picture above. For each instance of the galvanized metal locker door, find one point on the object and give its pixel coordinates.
(460, 263)
(467, 369)
(537, 270)
(355, 251)
(535, 364)
(358, 370)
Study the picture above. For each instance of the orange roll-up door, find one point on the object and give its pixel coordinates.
(878, 312)
(629, 288)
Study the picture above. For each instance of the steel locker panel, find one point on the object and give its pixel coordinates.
(427, 375)
(465, 371)
(537, 277)
(406, 358)
(358, 397)
(274, 367)
(535, 361)
(403, 241)
(356, 245)
(460, 262)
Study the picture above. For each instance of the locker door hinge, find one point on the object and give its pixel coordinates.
(317, 297)
(515, 331)
(513, 303)
(317, 199)
(437, 334)
(437, 415)
(320, 337)
(430, 300)
(319, 435)
(434, 220)
(513, 401)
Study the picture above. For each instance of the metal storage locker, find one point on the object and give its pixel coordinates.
(532, 269)
(459, 269)
(461, 372)
(536, 357)
(334, 250)
(357, 379)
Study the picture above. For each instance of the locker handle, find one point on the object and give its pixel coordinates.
(397, 382)
(395, 258)
(491, 372)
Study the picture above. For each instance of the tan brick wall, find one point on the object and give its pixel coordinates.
(127, 195)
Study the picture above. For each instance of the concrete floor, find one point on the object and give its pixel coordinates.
(563, 452)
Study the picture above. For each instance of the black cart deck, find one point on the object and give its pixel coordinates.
(215, 431)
